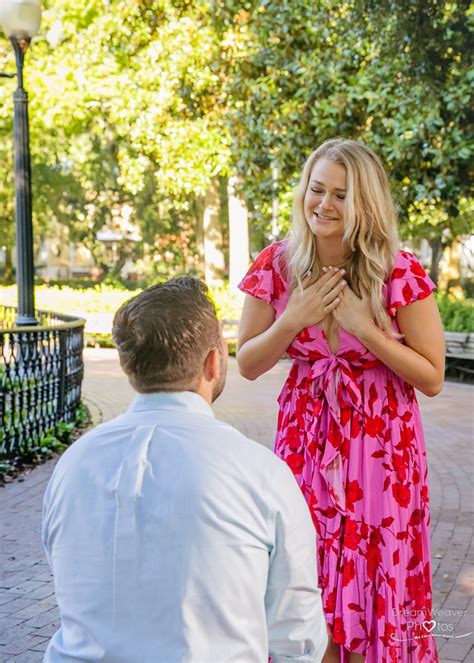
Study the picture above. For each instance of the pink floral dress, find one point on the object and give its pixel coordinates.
(350, 430)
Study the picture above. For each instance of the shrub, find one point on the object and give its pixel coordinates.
(457, 316)
(54, 441)
(99, 299)
(107, 299)
(228, 305)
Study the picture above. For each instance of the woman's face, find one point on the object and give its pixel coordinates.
(324, 199)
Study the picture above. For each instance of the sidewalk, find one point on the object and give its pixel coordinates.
(28, 614)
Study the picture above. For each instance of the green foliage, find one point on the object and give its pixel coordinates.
(103, 301)
(100, 299)
(228, 304)
(54, 441)
(108, 299)
(396, 75)
(137, 106)
(82, 416)
(457, 316)
(123, 113)
(421, 115)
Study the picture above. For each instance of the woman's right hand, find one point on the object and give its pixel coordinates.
(311, 305)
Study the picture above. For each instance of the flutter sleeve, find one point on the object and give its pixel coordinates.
(408, 283)
(264, 279)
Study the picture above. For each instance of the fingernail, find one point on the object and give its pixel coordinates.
(343, 271)
(325, 269)
(343, 281)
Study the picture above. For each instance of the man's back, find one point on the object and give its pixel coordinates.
(174, 538)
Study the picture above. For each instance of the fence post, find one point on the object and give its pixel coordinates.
(62, 370)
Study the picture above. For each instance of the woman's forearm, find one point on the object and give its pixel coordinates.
(403, 361)
(259, 354)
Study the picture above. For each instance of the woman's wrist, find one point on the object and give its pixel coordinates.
(288, 324)
(366, 332)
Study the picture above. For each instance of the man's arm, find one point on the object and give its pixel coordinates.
(296, 624)
(46, 517)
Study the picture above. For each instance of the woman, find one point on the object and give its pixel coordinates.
(359, 320)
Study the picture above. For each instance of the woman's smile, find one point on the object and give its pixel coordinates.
(324, 200)
(325, 217)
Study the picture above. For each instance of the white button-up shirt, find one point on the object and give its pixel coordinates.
(172, 537)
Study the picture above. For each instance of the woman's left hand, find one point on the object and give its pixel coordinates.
(354, 314)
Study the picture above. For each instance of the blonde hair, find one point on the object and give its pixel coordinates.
(370, 237)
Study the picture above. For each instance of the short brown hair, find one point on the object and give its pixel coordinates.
(164, 334)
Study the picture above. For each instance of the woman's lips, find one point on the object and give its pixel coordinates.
(324, 218)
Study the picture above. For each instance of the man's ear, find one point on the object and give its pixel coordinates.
(212, 365)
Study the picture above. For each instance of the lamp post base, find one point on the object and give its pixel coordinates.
(26, 321)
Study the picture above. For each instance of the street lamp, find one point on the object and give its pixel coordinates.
(20, 21)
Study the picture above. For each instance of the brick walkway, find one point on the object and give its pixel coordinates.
(28, 614)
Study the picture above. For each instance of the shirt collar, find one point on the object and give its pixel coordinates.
(176, 400)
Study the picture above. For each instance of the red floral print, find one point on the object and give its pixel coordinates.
(351, 536)
(338, 630)
(350, 430)
(330, 604)
(402, 494)
(348, 572)
(374, 426)
(354, 493)
(296, 462)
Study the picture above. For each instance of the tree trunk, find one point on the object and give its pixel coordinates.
(198, 217)
(8, 273)
(238, 236)
(213, 249)
(436, 255)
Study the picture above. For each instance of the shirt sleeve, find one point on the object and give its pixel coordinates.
(408, 283)
(296, 624)
(264, 279)
(46, 517)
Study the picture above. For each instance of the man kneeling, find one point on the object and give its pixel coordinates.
(171, 536)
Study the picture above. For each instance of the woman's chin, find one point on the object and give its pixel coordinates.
(327, 230)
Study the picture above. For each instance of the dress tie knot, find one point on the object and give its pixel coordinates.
(336, 379)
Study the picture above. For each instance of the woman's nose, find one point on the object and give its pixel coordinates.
(326, 200)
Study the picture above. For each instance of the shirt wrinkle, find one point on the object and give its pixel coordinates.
(127, 489)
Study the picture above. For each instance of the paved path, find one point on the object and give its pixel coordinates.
(28, 613)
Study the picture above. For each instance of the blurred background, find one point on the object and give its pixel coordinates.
(168, 136)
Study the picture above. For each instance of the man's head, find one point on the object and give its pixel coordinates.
(169, 339)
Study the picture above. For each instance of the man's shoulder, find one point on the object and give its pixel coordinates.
(227, 438)
(260, 461)
(84, 446)
(218, 437)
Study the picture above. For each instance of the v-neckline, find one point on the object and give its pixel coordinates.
(326, 340)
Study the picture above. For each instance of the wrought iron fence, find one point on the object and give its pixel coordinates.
(41, 372)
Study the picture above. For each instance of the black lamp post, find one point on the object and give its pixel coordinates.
(20, 21)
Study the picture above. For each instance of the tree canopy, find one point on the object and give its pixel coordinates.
(145, 103)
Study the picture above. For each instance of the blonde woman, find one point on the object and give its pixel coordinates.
(359, 320)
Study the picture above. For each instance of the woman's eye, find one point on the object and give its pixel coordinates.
(317, 191)
(341, 197)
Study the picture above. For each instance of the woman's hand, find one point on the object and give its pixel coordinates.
(310, 306)
(353, 313)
